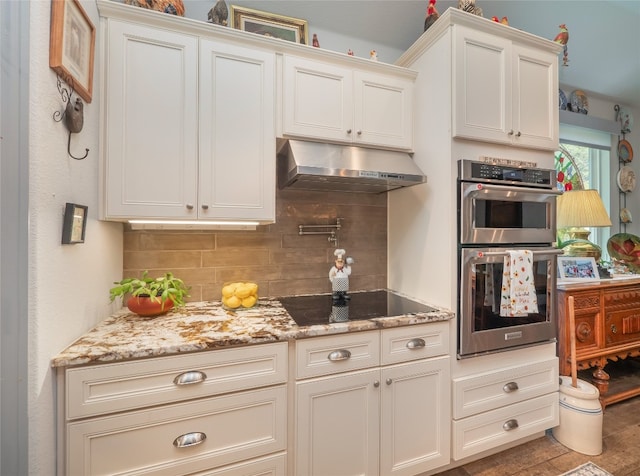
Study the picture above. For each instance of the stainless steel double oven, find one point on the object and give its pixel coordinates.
(504, 206)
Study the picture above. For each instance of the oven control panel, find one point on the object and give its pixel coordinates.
(475, 171)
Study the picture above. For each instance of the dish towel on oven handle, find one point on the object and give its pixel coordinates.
(518, 288)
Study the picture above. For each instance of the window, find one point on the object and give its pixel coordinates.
(589, 151)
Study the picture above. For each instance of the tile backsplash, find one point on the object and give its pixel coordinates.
(275, 256)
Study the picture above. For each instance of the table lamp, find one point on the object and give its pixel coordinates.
(577, 209)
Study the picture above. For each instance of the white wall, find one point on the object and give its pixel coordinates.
(68, 284)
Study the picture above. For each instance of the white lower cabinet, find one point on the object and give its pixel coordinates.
(503, 405)
(382, 419)
(218, 412)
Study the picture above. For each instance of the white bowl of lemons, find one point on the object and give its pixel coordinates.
(239, 295)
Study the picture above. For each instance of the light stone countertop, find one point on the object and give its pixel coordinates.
(207, 325)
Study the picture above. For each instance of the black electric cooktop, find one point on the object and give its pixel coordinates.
(322, 309)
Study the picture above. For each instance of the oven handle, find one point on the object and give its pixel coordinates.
(502, 188)
(547, 251)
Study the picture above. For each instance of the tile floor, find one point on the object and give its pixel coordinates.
(546, 457)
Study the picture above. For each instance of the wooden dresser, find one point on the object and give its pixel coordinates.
(607, 328)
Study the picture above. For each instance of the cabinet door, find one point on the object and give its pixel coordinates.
(415, 426)
(482, 86)
(150, 109)
(383, 110)
(237, 132)
(337, 424)
(317, 100)
(535, 105)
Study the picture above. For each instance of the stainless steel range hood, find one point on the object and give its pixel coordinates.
(331, 167)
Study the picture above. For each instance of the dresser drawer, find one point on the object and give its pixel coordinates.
(498, 427)
(622, 297)
(491, 390)
(231, 428)
(622, 326)
(329, 355)
(403, 344)
(111, 388)
(272, 465)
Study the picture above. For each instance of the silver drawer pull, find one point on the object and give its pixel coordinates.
(191, 377)
(337, 355)
(189, 439)
(510, 425)
(416, 343)
(510, 387)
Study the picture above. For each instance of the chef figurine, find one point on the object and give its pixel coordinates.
(339, 274)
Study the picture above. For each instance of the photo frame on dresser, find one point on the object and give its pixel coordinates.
(577, 268)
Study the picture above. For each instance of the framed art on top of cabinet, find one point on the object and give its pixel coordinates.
(270, 24)
(72, 45)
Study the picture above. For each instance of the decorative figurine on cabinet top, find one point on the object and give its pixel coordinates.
(469, 6)
(563, 38)
(315, 42)
(173, 7)
(432, 15)
(219, 14)
(373, 55)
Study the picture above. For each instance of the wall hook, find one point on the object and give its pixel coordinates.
(73, 116)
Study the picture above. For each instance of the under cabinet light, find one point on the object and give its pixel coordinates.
(193, 224)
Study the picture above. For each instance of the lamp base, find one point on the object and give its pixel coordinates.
(584, 248)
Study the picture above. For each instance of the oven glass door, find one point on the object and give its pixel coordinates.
(498, 214)
(481, 329)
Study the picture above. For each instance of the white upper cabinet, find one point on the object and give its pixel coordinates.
(332, 102)
(150, 122)
(237, 132)
(504, 92)
(189, 126)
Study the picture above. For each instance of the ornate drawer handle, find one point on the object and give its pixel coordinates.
(191, 377)
(614, 329)
(510, 387)
(416, 343)
(337, 355)
(510, 425)
(189, 439)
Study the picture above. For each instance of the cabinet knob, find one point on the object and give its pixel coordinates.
(338, 355)
(510, 387)
(189, 206)
(348, 131)
(518, 134)
(389, 381)
(205, 207)
(510, 425)
(376, 383)
(416, 343)
(510, 132)
(359, 133)
(189, 439)
(190, 377)
(614, 329)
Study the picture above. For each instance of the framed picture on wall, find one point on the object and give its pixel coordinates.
(74, 225)
(72, 45)
(270, 24)
(577, 268)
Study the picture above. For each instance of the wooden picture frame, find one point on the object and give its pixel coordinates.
(72, 46)
(577, 268)
(270, 24)
(75, 223)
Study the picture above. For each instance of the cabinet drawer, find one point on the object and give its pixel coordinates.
(272, 465)
(235, 427)
(622, 326)
(403, 344)
(491, 390)
(622, 297)
(330, 355)
(123, 386)
(491, 429)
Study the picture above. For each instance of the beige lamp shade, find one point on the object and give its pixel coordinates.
(580, 208)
